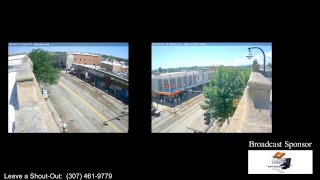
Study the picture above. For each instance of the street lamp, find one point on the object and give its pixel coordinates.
(249, 56)
(64, 127)
(170, 84)
(111, 84)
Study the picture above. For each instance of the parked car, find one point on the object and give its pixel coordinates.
(45, 94)
(155, 112)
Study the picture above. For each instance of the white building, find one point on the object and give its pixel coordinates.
(170, 84)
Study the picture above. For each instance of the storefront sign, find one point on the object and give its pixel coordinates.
(166, 86)
(173, 85)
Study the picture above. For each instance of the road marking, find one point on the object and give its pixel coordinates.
(79, 112)
(86, 94)
(57, 90)
(69, 82)
(104, 118)
(90, 88)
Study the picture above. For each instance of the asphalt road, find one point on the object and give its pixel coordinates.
(85, 109)
(188, 117)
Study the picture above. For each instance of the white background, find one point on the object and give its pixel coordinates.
(301, 161)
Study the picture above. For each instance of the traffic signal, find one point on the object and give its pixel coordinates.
(207, 118)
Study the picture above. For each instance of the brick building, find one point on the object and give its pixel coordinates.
(87, 59)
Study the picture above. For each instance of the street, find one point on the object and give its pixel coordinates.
(184, 118)
(85, 109)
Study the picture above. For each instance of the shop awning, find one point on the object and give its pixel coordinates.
(168, 94)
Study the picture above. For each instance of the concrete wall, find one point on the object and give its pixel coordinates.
(33, 114)
(252, 114)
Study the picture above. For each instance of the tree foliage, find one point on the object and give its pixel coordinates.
(43, 67)
(269, 65)
(226, 85)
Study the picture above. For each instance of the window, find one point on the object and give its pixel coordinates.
(75, 59)
(84, 59)
(80, 59)
(89, 59)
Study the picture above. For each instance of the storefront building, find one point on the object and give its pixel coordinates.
(178, 83)
(102, 80)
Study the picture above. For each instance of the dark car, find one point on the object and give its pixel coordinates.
(155, 112)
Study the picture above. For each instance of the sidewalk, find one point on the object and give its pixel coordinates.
(161, 107)
(55, 115)
(176, 105)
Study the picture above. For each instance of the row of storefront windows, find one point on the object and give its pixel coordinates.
(164, 84)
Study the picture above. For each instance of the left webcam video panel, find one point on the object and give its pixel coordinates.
(68, 87)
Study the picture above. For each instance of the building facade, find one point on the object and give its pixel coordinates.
(171, 84)
(114, 67)
(59, 59)
(69, 60)
(86, 59)
(102, 79)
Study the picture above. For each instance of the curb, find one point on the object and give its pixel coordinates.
(111, 97)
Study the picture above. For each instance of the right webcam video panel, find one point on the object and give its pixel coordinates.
(211, 87)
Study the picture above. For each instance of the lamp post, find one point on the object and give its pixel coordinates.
(170, 84)
(95, 77)
(64, 127)
(249, 56)
(111, 85)
(202, 80)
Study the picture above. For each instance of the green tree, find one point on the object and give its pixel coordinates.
(225, 86)
(160, 69)
(43, 67)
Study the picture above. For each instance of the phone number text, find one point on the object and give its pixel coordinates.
(80, 176)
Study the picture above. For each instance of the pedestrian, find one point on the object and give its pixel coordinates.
(161, 101)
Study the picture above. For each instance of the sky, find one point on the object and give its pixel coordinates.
(117, 51)
(228, 54)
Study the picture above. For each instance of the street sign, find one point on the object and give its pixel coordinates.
(236, 102)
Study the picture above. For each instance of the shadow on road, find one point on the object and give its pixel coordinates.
(117, 118)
